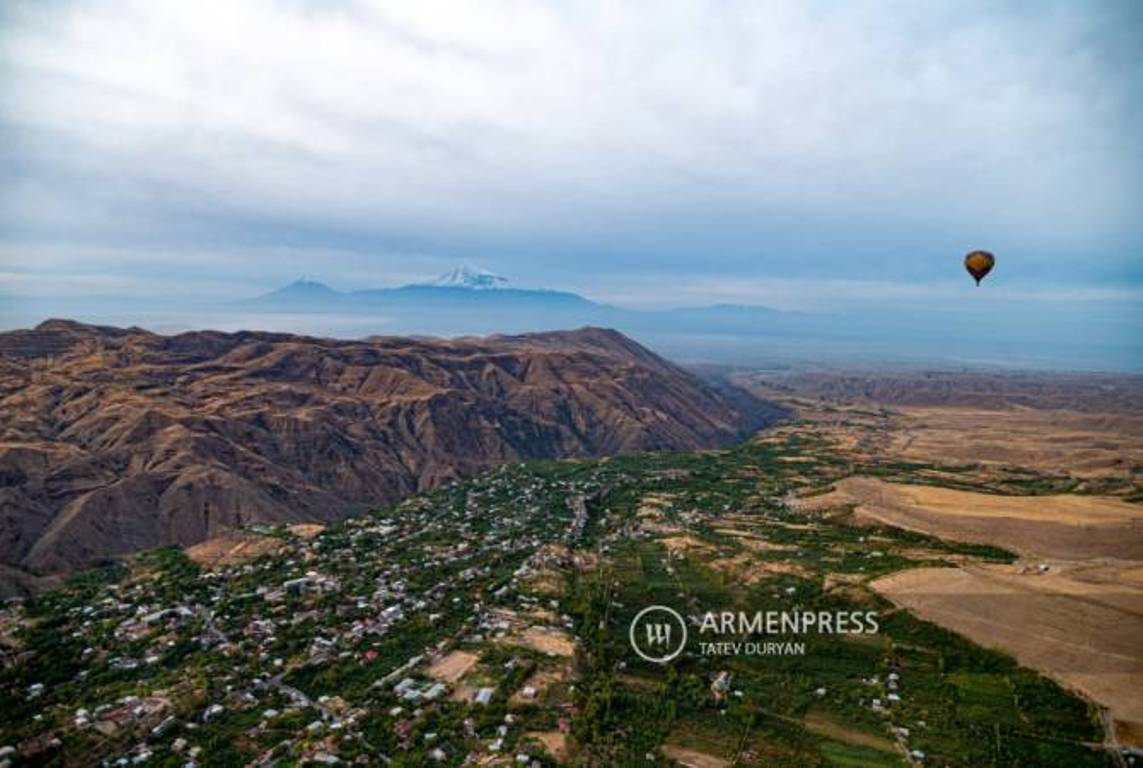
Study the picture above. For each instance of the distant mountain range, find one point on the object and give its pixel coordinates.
(463, 289)
(467, 301)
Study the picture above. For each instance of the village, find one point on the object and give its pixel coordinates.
(481, 624)
(402, 604)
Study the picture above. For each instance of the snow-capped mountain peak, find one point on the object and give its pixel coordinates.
(467, 277)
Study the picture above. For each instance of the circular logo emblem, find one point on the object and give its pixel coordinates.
(658, 634)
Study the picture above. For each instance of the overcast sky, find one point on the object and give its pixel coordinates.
(788, 153)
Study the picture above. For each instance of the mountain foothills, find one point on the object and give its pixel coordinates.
(114, 440)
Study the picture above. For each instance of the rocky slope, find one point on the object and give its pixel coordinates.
(113, 440)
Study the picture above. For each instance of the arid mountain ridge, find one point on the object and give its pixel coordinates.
(114, 440)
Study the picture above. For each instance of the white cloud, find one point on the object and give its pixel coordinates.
(514, 125)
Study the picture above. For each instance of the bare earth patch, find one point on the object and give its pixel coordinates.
(452, 667)
(836, 580)
(685, 543)
(1089, 427)
(233, 548)
(692, 758)
(751, 571)
(542, 615)
(1063, 526)
(550, 641)
(1083, 633)
(761, 545)
(1084, 444)
(463, 692)
(306, 530)
(554, 742)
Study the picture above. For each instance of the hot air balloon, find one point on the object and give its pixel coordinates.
(979, 264)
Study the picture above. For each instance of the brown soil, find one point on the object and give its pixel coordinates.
(452, 667)
(306, 530)
(463, 692)
(550, 641)
(1085, 444)
(751, 571)
(554, 742)
(1082, 629)
(836, 580)
(692, 758)
(685, 543)
(1129, 733)
(233, 548)
(1063, 526)
(1087, 425)
(541, 614)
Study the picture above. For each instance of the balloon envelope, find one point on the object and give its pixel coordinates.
(979, 264)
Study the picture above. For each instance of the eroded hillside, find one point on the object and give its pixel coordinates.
(114, 440)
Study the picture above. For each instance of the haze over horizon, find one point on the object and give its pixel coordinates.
(163, 160)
